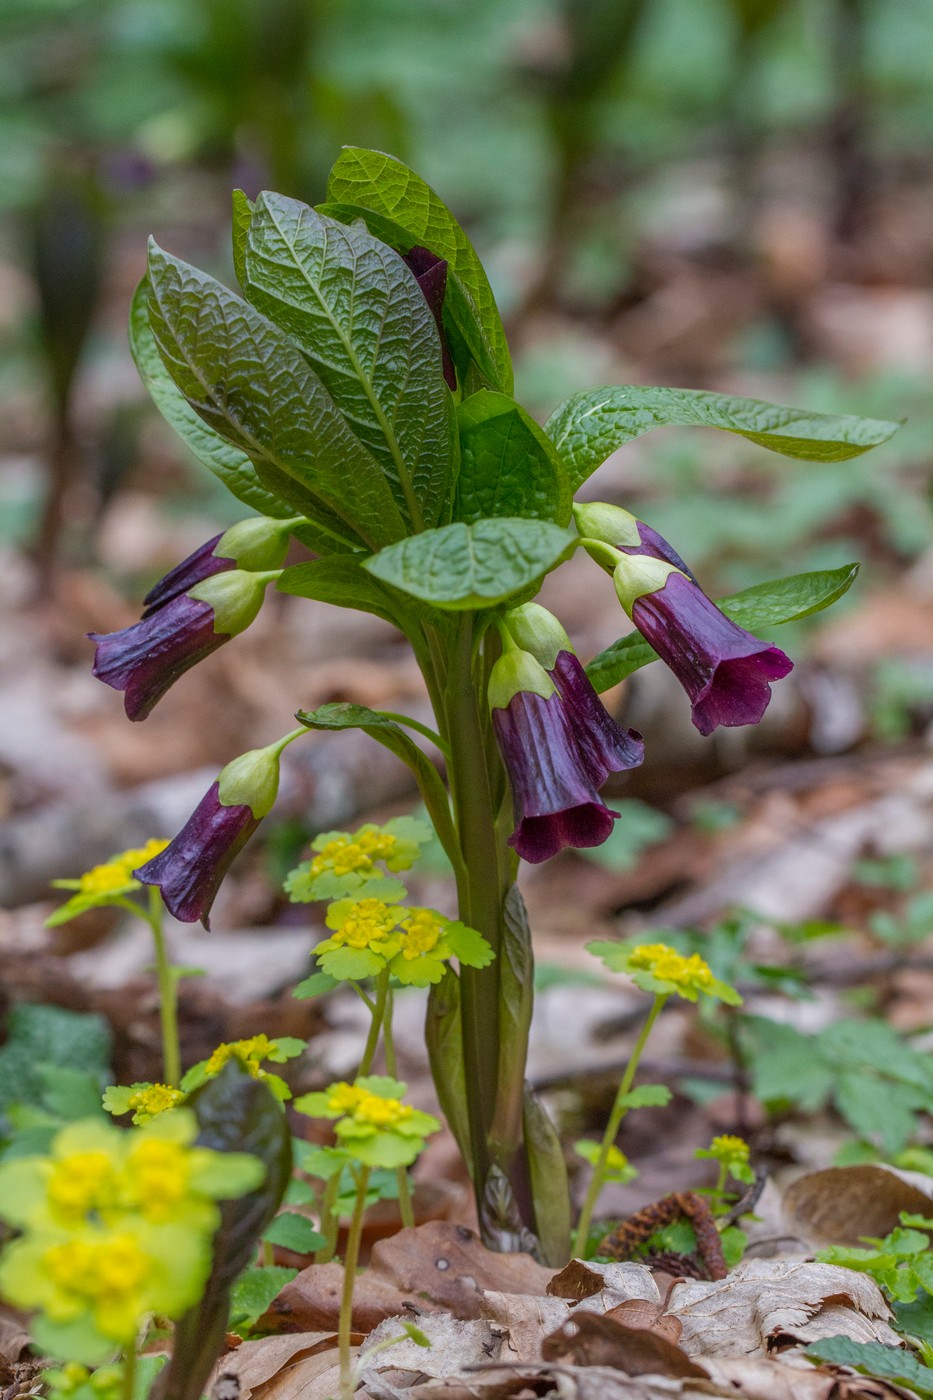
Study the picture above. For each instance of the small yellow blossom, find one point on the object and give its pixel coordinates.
(662, 962)
(370, 921)
(147, 1103)
(343, 1098)
(422, 933)
(81, 1182)
(117, 873)
(380, 1112)
(342, 856)
(728, 1147)
(158, 1171)
(250, 1054)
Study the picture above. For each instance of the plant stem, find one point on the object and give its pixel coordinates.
(416, 724)
(129, 1373)
(330, 1225)
(349, 1278)
(378, 1016)
(619, 1110)
(401, 1173)
(168, 992)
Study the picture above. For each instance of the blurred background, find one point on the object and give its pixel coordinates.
(725, 194)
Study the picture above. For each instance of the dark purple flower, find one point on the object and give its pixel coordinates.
(553, 793)
(190, 869)
(655, 546)
(725, 671)
(198, 566)
(605, 746)
(144, 660)
(431, 275)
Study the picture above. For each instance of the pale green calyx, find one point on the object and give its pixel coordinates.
(235, 596)
(638, 574)
(610, 524)
(252, 780)
(537, 631)
(514, 672)
(257, 543)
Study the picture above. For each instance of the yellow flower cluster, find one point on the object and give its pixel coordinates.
(690, 974)
(117, 873)
(152, 1100)
(343, 855)
(421, 934)
(365, 1107)
(729, 1148)
(250, 1054)
(369, 922)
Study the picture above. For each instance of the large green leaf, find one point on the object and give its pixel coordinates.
(761, 606)
(507, 464)
(342, 582)
(473, 566)
(461, 318)
(393, 737)
(362, 321)
(383, 184)
(227, 462)
(250, 383)
(592, 424)
(550, 1191)
(875, 1359)
(443, 1035)
(242, 218)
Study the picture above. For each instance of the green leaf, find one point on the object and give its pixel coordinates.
(592, 424)
(915, 1318)
(507, 464)
(295, 1232)
(647, 1096)
(761, 606)
(228, 463)
(359, 316)
(467, 340)
(548, 1172)
(443, 1034)
(250, 383)
(393, 737)
(473, 566)
(878, 1109)
(254, 1292)
(343, 582)
(875, 1359)
(515, 965)
(383, 184)
(314, 986)
(243, 208)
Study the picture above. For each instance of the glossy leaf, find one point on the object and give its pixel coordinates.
(473, 566)
(359, 316)
(383, 184)
(228, 463)
(762, 606)
(507, 464)
(250, 383)
(591, 425)
(236, 1113)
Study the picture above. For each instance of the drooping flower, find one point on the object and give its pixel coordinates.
(658, 968)
(726, 672)
(190, 869)
(373, 1125)
(431, 275)
(605, 746)
(255, 544)
(145, 659)
(552, 772)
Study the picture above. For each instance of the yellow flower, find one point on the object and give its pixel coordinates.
(116, 874)
(158, 1173)
(106, 1274)
(369, 921)
(662, 962)
(380, 1112)
(342, 856)
(343, 1098)
(727, 1147)
(147, 1103)
(81, 1182)
(422, 933)
(250, 1054)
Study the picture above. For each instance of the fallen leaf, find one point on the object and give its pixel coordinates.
(591, 1339)
(255, 1363)
(447, 1266)
(455, 1347)
(525, 1321)
(311, 1302)
(842, 1204)
(582, 1279)
(650, 1317)
(764, 1299)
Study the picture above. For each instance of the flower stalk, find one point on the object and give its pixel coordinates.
(350, 1261)
(167, 977)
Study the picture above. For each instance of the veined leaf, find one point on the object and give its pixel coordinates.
(382, 183)
(507, 464)
(228, 463)
(875, 1359)
(473, 566)
(343, 582)
(251, 384)
(243, 208)
(761, 606)
(592, 424)
(461, 317)
(358, 315)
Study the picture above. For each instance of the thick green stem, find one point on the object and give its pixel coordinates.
(479, 894)
(129, 1373)
(168, 993)
(349, 1278)
(619, 1110)
(401, 1173)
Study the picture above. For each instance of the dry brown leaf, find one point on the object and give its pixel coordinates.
(764, 1299)
(455, 1347)
(311, 1302)
(650, 1317)
(525, 1322)
(256, 1363)
(591, 1339)
(842, 1204)
(447, 1266)
(583, 1279)
(755, 1378)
